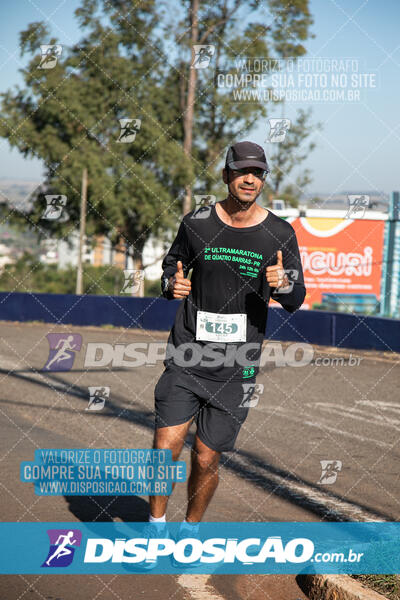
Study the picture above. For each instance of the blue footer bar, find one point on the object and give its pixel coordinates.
(264, 548)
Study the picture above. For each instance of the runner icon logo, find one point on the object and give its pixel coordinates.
(330, 470)
(357, 204)
(202, 56)
(62, 351)
(251, 394)
(129, 129)
(62, 547)
(133, 281)
(50, 55)
(55, 209)
(278, 129)
(98, 395)
(292, 276)
(203, 204)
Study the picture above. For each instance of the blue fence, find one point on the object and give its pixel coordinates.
(311, 326)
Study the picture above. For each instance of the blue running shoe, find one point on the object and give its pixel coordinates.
(187, 531)
(149, 531)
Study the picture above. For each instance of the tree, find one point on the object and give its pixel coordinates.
(28, 274)
(211, 119)
(69, 117)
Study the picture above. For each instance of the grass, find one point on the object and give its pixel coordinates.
(387, 585)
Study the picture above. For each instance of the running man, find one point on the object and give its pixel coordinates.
(241, 255)
(204, 55)
(132, 281)
(53, 208)
(62, 353)
(129, 129)
(62, 549)
(50, 56)
(99, 397)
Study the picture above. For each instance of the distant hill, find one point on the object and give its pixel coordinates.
(16, 192)
(338, 200)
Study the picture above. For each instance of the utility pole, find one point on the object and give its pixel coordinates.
(82, 230)
(189, 113)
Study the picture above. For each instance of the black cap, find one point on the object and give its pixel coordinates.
(246, 154)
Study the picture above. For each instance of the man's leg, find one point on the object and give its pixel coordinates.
(203, 479)
(167, 438)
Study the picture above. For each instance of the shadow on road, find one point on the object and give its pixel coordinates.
(247, 465)
(108, 508)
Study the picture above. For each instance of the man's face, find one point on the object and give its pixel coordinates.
(246, 184)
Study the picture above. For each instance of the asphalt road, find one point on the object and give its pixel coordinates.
(346, 414)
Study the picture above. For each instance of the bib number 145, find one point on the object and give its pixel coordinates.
(215, 327)
(225, 328)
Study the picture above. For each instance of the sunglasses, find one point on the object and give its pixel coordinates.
(259, 173)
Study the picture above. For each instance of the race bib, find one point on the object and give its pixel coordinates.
(214, 327)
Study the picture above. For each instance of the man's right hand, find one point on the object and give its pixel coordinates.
(180, 286)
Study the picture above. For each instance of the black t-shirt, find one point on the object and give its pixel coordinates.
(229, 277)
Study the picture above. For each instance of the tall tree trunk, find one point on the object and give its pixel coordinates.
(189, 113)
(82, 233)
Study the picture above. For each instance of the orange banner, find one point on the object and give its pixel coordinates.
(342, 256)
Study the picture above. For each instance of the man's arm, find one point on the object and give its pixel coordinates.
(179, 251)
(292, 291)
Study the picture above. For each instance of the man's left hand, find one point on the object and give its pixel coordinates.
(276, 275)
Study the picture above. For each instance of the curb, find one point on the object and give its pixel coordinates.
(335, 587)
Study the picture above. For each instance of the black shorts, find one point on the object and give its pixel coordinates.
(218, 407)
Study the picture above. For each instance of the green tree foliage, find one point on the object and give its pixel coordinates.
(133, 61)
(239, 30)
(30, 275)
(69, 117)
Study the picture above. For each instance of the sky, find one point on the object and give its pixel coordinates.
(358, 146)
